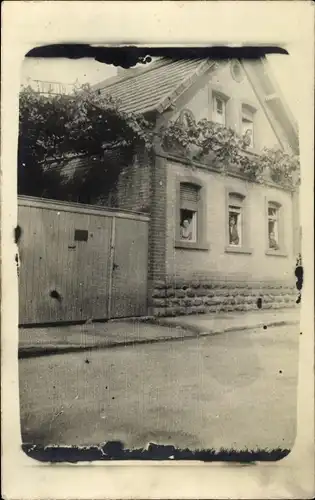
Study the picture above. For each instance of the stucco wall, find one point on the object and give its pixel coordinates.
(257, 266)
(237, 92)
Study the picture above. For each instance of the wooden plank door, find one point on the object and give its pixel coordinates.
(130, 264)
(65, 259)
(91, 243)
(44, 286)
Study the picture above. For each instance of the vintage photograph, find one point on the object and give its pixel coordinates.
(158, 252)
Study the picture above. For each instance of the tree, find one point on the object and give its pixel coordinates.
(56, 128)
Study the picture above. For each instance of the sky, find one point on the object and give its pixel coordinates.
(66, 71)
(90, 71)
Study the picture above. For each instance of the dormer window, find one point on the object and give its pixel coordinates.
(219, 110)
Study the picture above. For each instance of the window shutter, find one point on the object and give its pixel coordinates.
(189, 196)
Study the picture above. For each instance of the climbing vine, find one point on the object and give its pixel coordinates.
(228, 150)
(55, 128)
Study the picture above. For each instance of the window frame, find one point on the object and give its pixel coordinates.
(218, 96)
(281, 251)
(237, 198)
(234, 66)
(237, 209)
(201, 228)
(248, 112)
(194, 224)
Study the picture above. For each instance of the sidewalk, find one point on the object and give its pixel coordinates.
(225, 322)
(39, 341)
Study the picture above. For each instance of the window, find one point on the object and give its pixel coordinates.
(248, 126)
(273, 227)
(191, 230)
(188, 225)
(236, 71)
(237, 236)
(235, 225)
(189, 198)
(219, 110)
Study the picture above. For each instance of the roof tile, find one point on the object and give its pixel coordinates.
(146, 90)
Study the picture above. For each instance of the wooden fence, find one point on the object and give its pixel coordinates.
(80, 262)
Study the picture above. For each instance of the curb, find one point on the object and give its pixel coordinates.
(199, 331)
(195, 332)
(35, 351)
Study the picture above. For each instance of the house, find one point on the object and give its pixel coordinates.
(216, 241)
(219, 239)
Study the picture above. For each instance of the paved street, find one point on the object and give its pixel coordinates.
(235, 390)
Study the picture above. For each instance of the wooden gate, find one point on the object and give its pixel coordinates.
(80, 262)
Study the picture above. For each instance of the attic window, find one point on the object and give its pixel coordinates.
(219, 110)
(236, 71)
(248, 116)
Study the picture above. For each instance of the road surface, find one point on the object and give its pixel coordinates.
(232, 390)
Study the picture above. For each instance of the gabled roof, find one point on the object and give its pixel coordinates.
(155, 87)
(272, 101)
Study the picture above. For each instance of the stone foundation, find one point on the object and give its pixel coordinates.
(183, 297)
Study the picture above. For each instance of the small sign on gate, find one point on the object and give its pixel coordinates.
(81, 235)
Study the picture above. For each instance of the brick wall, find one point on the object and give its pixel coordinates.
(133, 187)
(158, 224)
(131, 191)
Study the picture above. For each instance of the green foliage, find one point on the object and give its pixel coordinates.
(229, 151)
(88, 123)
(60, 127)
